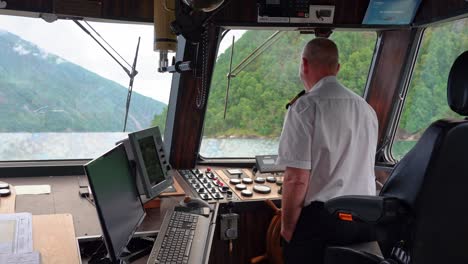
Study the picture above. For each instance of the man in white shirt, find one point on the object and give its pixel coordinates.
(328, 146)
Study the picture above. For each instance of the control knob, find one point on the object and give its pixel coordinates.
(230, 232)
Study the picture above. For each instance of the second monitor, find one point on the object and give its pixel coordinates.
(153, 169)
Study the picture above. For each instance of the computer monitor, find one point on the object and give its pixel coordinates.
(153, 169)
(117, 200)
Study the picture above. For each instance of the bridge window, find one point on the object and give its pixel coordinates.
(426, 100)
(263, 82)
(63, 97)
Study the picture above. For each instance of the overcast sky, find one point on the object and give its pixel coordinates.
(65, 39)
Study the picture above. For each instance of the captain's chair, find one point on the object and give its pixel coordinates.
(421, 213)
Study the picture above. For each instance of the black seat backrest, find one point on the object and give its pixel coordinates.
(441, 213)
(432, 179)
(407, 177)
(440, 233)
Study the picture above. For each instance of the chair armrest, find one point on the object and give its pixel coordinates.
(369, 209)
(334, 255)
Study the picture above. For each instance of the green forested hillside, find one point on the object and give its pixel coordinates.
(259, 93)
(41, 92)
(427, 96)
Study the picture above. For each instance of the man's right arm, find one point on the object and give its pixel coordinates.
(295, 154)
(295, 185)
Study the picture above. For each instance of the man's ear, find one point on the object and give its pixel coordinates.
(305, 65)
(338, 67)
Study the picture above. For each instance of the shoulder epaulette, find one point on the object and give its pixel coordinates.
(295, 99)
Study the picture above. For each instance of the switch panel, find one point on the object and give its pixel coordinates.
(229, 230)
(294, 11)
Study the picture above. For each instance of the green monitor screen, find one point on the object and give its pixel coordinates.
(153, 169)
(117, 200)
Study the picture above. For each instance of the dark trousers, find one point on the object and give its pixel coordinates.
(315, 230)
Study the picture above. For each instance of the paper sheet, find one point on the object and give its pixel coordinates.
(16, 233)
(21, 258)
(7, 237)
(32, 189)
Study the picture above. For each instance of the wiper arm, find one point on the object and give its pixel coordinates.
(246, 61)
(104, 48)
(254, 54)
(132, 72)
(130, 86)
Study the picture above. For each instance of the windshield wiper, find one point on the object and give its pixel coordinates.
(246, 61)
(132, 72)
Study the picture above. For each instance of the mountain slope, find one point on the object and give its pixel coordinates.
(259, 93)
(41, 92)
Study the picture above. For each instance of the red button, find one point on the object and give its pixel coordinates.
(301, 14)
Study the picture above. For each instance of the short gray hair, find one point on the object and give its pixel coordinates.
(321, 51)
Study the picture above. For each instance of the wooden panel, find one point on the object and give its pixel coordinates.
(188, 119)
(381, 175)
(434, 10)
(7, 204)
(177, 190)
(54, 238)
(125, 10)
(385, 80)
(40, 6)
(254, 218)
(236, 12)
(78, 7)
(141, 10)
(64, 199)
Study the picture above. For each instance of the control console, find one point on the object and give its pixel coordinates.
(249, 186)
(208, 185)
(233, 184)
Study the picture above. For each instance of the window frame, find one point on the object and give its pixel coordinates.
(61, 166)
(251, 160)
(407, 77)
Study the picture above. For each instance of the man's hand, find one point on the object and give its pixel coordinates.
(287, 234)
(295, 186)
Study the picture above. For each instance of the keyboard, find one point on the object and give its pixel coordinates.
(182, 238)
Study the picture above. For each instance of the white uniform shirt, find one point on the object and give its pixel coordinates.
(332, 132)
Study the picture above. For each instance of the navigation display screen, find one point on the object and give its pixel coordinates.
(151, 159)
